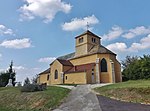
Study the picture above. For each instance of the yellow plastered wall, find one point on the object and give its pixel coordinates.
(43, 79)
(90, 44)
(117, 68)
(75, 78)
(118, 75)
(81, 48)
(56, 66)
(89, 76)
(84, 60)
(84, 47)
(105, 77)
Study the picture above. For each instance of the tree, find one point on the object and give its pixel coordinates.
(34, 79)
(27, 81)
(4, 77)
(9, 74)
(136, 68)
(128, 60)
(12, 73)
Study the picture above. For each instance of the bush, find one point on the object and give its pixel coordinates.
(33, 87)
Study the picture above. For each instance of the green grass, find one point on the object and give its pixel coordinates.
(131, 91)
(11, 99)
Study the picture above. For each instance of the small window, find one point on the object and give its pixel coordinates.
(47, 77)
(93, 40)
(66, 77)
(56, 74)
(80, 40)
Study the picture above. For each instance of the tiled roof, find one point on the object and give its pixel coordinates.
(88, 33)
(66, 57)
(65, 62)
(45, 72)
(100, 50)
(81, 68)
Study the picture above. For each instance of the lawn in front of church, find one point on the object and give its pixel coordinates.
(137, 91)
(12, 99)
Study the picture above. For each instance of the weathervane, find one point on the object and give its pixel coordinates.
(87, 25)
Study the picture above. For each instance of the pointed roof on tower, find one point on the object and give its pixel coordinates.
(88, 33)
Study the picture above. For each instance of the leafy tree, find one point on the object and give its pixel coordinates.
(27, 81)
(128, 60)
(4, 77)
(34, 79)
(136, 68)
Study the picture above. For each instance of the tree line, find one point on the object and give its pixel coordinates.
(135, 68)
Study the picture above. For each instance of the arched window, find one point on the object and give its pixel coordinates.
(47, 77)
(103, 65)
(56, 74)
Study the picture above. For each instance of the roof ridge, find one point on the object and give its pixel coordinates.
(87, 32)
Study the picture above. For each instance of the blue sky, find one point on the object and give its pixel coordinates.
(35, 32)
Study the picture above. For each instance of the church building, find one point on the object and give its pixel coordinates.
(90, 63)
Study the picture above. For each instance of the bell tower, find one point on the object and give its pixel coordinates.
(85, 42)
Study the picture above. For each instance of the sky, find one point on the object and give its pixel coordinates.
(35, 32)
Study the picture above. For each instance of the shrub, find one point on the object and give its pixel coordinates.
(33, 87)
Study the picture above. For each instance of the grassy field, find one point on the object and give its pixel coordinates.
(131, 91)
(11, 99)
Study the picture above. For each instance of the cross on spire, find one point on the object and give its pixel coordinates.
(87, 26)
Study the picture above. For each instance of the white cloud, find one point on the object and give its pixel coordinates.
(16, 43)
(117, 47)
(79, 23)
(46, 9)
(114, 33)
(135, 47)
(18, 68)
(144, 44)
(2, 70)
(140, 30)
(23, 72)
(47, 59)
(5, 31)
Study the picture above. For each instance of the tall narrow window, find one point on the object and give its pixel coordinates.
(47, 77)
(56, 74)
(103, 65)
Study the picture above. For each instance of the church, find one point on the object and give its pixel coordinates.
(90, 63)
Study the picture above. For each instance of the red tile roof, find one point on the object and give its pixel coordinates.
(81, 68)
(65, 62)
